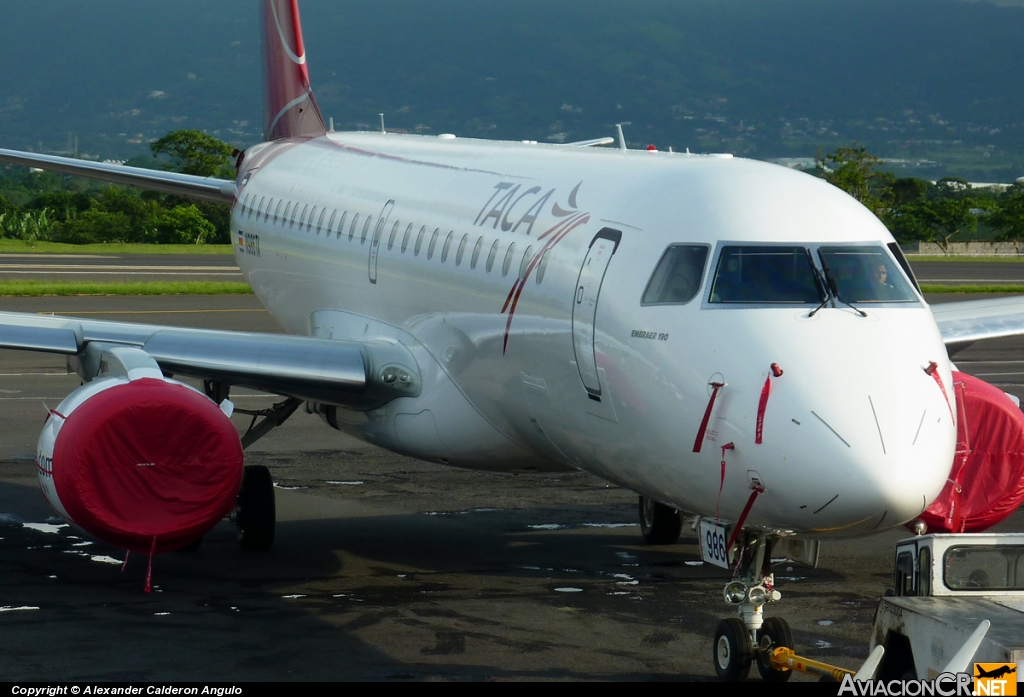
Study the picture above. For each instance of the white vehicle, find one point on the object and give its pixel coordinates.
(943, 586)
(707, 331)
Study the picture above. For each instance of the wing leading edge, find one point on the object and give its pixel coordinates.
(188, 185)
(344, 373)
(963, 323)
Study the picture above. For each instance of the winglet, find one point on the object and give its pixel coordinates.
(962, 660)
(289, 108)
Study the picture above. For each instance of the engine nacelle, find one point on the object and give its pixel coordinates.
(141, 464)
(986, 483)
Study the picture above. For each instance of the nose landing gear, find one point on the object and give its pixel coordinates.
(740, 641)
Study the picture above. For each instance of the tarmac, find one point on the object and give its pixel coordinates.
(386, 568)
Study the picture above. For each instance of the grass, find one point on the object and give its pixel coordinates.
(46, 288)
(966, 288)
(9, 246)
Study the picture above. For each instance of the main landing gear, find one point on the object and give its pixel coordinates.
(255, 513)
(660, 524)
(741, 641)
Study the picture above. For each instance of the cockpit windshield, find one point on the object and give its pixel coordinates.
(774, 274)
(864, 275)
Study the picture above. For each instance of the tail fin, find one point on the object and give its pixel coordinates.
(289, 108)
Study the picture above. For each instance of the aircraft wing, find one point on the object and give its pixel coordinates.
(188, 185)
(962, 323)
(355, 374)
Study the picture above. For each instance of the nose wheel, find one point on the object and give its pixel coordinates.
(732, 651)
(749, 637)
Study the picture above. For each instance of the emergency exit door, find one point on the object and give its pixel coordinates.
(584, 308)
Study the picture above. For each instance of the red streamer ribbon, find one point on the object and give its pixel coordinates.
(149, 571)
(699, 442)
(743, 516)
(721, 484)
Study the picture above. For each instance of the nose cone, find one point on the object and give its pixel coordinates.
(857, 436)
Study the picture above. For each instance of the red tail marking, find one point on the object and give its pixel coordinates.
(290, 110)
(761, 406)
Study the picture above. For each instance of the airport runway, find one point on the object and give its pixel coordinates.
(119, 267)
(386, 568)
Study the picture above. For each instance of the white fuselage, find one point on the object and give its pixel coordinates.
(534, 360)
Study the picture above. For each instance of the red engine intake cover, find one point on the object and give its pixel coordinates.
(147, 459)
(987, 480)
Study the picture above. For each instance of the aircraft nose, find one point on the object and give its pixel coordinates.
(866, 443)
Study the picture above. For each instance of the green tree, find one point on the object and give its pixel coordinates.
(1008, 215)
(182, 225)
(95, 226)
(62, 204)
(195, 152)
(939, 220)
(856, 171)
(5, 206)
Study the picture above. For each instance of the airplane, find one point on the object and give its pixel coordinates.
(704, 330)
(995, 672)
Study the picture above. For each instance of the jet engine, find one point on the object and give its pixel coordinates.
(986, 483)
(149, 464)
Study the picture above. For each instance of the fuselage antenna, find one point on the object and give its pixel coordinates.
(332, 124)
(382, 124)
(622, 138)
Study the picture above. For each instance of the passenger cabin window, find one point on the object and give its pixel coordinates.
(277, 212)
(524, 267)
(352, 228)
(320, 221)
(405, 239)
(288, 212)
(678, 276)
(765, 275)
(462, 249)
(366, 229)
(394, 234)
(341, 224)
(492, 255)
(543, 265)
(476, 252)
(419, 241)
(508, 259)
(309, 220)
(864, 275)
(447, 246)
(433, 244)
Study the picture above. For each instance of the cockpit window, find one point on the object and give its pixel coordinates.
(677, 278)
(765, 275)
(865, 275)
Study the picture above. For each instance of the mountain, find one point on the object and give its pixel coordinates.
(936, 82)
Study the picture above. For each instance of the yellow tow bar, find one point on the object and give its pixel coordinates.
(783, 659)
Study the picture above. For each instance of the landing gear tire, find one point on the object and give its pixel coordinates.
(732, 651)
(660, 524)
(255, 514)
(773, 634)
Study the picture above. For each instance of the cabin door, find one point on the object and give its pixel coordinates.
(584, 308)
